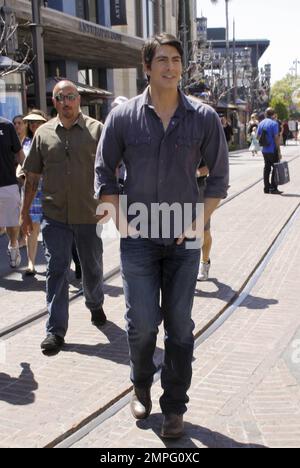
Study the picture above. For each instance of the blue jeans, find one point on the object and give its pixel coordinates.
(151, 271)
(58, 239)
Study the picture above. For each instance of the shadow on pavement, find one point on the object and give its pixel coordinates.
(226, 293)
(116, 350)
(206, 437)
(18, 390)
(28, 284)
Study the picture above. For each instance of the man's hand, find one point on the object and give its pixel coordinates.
(26, 224)
(210, 205)
(202, 171)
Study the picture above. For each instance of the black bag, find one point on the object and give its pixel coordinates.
(263, 139)
(281, 173)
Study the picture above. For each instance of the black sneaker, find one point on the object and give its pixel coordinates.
(52, 343)
(98, 317)
(276, 192)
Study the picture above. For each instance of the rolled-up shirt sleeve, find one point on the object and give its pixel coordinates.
(215, 153)
(109, 155)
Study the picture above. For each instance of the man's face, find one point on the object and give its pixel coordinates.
(166, 68)
(66, 101)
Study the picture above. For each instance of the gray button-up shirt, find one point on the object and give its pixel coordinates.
(66, 159)
(161, 165)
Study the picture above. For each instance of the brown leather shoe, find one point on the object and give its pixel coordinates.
(172, 427)
(141, 404)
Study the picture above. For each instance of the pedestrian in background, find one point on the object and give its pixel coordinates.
(11, 154)
(254, 143)
(227, 129)
(268, 131)
(205, 262)
(34, 120)
(63, 153)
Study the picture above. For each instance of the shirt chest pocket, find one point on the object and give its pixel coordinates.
(188, 148)
(137, 145)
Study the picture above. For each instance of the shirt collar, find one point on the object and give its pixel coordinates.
(80, 122)
(184, 103)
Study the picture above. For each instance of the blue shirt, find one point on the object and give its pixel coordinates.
(272, 129)
(161, 165)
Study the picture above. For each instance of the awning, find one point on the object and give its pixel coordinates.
(67, 37)
(86, 91)
(7, 63)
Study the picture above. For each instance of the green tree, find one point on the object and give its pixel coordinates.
(287, 92)
(280, 108)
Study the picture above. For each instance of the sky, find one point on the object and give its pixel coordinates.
(275, 20)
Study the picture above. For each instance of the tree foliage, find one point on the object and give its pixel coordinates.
(280, 108)
(284, 93)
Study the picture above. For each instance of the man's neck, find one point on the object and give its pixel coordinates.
(164, 101)
(68, 123)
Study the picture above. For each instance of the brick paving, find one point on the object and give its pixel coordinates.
(246, 383)
(39, 405)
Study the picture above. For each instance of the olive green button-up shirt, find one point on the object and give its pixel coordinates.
(65, 158)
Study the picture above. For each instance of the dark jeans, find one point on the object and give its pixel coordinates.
(270, 160)
(150, 270)
(58, 240)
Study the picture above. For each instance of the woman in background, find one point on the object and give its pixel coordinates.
(34, 120)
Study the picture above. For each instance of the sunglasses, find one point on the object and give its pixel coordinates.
(68, 97)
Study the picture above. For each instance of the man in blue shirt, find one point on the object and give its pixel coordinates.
(162, 137)
(271, 149)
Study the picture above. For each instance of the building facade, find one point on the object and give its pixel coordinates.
(86, 42)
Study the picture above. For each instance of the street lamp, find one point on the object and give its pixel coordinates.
(227, 46)
(296, 62)
(38, 49)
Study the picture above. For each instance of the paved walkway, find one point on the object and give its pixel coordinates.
(246, 382)
(41, 398)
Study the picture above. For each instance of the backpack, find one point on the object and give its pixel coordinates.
(263, 139)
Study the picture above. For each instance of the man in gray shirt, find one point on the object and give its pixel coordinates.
(162, 137)
(63, 153)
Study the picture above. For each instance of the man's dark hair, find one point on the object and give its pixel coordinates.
(152, 44)
(270, 112)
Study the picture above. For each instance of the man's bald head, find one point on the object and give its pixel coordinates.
(62, 85)
(66, 101)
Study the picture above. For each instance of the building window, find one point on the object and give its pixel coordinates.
(148, 17)
(174, 8)
(81, 9)
(92, 11)
(87, 9)
(151, 16)
(139, 18)
(85, 76)
(163, 14)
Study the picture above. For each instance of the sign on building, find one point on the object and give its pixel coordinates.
(202, 29)
(118, 15)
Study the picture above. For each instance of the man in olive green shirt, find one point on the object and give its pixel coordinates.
(63, 153)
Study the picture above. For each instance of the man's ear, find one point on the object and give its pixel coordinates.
(147, 69)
